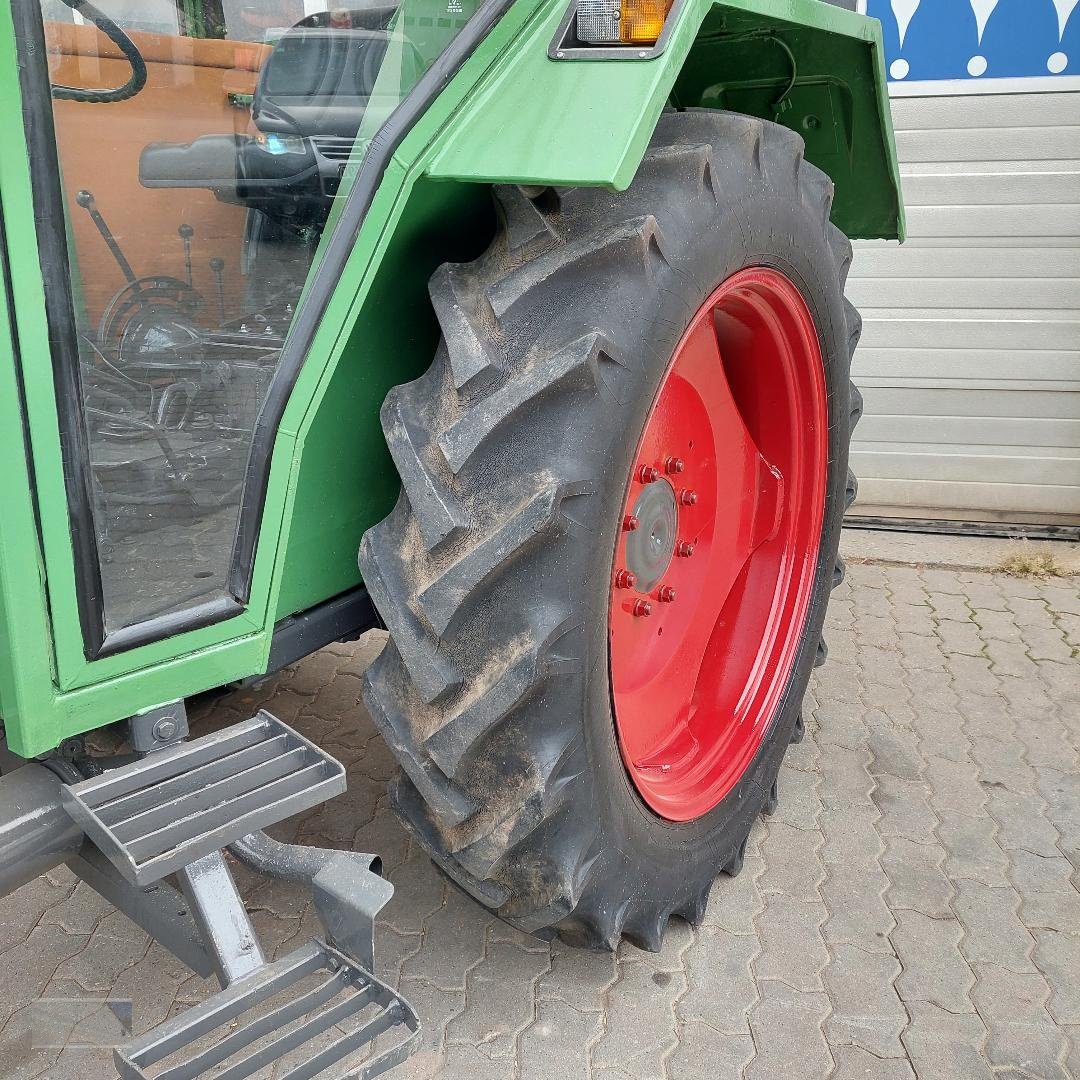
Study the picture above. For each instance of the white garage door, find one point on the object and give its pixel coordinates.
(970, 358)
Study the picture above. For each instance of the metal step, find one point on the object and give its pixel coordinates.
(314, 1014)
(173, 806)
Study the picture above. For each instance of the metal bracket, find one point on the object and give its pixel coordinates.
(158, 728)
(159, 908)
(348, 891)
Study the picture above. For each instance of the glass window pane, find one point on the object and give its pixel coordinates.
(194, 208)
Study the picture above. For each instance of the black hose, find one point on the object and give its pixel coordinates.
(123, 43)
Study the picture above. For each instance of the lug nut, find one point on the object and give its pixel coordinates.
(642, 608)
(624, 579)
(687, 497)
(647, 474)
(630, 523)
(684, 549)
(666, 594)
(674, 465)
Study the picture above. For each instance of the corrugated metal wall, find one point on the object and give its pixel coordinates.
(970, 359)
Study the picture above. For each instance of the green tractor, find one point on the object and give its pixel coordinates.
(515, 327)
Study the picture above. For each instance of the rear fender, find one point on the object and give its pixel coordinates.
(811, 66)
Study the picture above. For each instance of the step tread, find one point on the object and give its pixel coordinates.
(156, 815)
(261, 1019)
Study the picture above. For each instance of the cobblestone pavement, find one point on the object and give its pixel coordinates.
(911, 910)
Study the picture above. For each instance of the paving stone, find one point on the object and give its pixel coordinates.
(1002, 996)
(787, 1029)
(792, 948)
(904, 809)
(1048, 896)
(994, 933)
(858, 912)
(844, 726)
(1009, 657)
(722, 987)
(919, 653)
(579, 979)
(23, 909)
(1022, 824)
(972, 673)
(944, 1045)
(853, 1063)
(1001, 762)
(996, 625)
(934, 969)
(1057, 956)
(793, 862)
(867, 1012)
(1072, 1061)
(500, 996)
(846, 780)
(881, 670)
(851, 837)
(558, 1042)
(799, 804)
(954, 785)
(27, 968)
(971, 849)
(894, 751)
(734, 904)
(950, 605)
(704, 1052)
(960, 638)
(469, 1063)
(453, 943)
(1048, 644)
(640, 1029)
(419, 891)
(917, 881)
(941, 733)
(1029, 1049)
(435, 1008)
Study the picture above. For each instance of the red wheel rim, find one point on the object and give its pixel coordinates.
(716, 557)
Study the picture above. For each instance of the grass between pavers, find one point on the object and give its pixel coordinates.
(1028, 561)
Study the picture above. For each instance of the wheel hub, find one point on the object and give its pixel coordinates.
(653, 527)
(716, 560)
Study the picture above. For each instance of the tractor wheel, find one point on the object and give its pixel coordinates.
(605, 579)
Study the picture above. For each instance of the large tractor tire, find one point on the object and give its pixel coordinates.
(605, 579)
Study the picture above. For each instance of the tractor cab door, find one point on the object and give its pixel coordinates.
(185, 162)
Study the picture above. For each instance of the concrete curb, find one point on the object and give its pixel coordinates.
(955, 552)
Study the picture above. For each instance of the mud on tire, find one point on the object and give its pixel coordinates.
(492, 572)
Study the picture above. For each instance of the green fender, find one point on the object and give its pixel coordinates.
(811, 66)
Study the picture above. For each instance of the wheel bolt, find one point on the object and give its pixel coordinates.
(666, 594)
(684, 549)
(687, 497)
(624, 579)
(647, 474)
(630, 523)
(642, 608)
(674, 465)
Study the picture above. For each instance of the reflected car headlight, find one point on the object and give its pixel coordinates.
(273, 143)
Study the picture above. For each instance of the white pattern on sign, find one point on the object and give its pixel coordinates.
(904, 10)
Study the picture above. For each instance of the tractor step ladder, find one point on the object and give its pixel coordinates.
(313, 1013)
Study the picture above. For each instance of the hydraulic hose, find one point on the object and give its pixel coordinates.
(117, 36)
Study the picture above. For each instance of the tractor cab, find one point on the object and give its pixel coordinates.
(196, 176)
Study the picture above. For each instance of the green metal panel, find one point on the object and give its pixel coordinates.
(589, 121)
(510, 114)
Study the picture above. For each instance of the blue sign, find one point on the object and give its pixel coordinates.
(979, 40)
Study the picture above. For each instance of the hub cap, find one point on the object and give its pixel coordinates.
(721, 526)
